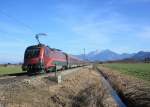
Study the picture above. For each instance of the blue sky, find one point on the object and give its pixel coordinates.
(71, 25)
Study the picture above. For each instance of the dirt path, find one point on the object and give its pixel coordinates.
(135, 92)
(78, 89)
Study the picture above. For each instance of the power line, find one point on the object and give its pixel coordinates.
(16, 20)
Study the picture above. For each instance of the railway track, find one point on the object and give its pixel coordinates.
(6, 79)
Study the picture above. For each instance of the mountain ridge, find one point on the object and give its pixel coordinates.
(108, 55)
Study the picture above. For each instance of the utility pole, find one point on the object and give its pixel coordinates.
(84, 54)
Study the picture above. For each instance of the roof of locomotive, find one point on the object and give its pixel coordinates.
(36, 46)
(42, 45)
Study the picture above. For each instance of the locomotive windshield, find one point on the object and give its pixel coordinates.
(32, 53)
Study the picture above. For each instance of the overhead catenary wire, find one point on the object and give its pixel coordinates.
(17, 20)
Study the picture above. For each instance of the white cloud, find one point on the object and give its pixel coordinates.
(97, 27)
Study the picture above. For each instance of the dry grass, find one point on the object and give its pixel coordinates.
(79, 89)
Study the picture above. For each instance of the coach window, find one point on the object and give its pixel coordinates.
(46, 52)
(49, 53)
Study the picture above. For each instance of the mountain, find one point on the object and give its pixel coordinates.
(105, 55)
(141, 55)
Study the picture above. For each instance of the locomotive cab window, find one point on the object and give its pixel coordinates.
(32, 53)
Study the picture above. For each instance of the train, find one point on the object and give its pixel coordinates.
(39, 58)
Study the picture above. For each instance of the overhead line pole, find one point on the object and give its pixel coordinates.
(84, 54)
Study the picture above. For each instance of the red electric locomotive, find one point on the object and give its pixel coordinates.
(42, 58)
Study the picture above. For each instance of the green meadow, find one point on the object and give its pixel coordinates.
(10, 69)
(139, 70)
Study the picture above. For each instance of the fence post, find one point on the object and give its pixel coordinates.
(55, 70)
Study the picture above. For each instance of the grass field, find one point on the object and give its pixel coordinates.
(10, 69)
(139, 70)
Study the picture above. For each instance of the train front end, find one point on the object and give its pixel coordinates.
(33, 59)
